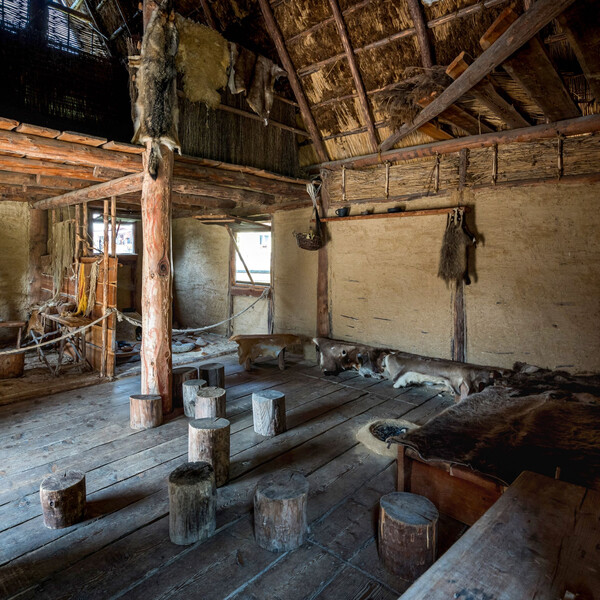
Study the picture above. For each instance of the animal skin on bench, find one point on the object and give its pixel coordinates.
(251, 347)
(402, 368)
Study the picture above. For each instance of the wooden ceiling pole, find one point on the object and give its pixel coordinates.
(415, 8)
(157, 276)
(286, 61)
(520, 32)
(356, 76)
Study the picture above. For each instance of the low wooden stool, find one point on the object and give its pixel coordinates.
(145, 411)
(213, 373)
(190, 390)
(280, 511)
(13, 365)
(181, 374)
(210, 402)
(408, 534)
(208, 441)
(253, 346)
(268, 412)
(62, 496)
(192, 503)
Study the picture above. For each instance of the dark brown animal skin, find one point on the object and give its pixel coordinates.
(500, 433)
(336, 356)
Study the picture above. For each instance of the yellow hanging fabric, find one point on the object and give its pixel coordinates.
(82, 300)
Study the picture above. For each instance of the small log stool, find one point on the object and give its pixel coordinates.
(208, 441)
(190, 389)
(181, 374)
(210, 402)
(213, 373)
(268, 412)
(280, 511)
(145, 411)
(408, 534)
(62, 496)
(192, 503)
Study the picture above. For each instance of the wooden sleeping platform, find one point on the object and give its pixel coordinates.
(122, 548)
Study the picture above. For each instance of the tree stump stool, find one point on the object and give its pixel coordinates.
(62, 496)
(145, 411)
(280, 511)
(268, 412)
(210, 402)
(408, 534)
(181, 374)
(208, 441)
(190, 389)
(213, 373)
(192, 503)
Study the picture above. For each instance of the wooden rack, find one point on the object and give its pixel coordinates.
(407, 213)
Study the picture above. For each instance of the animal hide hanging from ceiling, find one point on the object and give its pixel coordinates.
(453, 255)
(242, 69)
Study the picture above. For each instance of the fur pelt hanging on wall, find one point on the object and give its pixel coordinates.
(453, 255)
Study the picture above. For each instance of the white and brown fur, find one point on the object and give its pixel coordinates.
(156, 105)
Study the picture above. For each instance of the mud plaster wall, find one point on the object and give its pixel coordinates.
(255, 320)
(14, 264)
(200, 280)
(537, 293)
(295, 275)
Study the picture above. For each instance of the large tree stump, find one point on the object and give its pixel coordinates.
(214, 373)
(181, 374)
(210, 402)
(190, 389)
(208, 441)
(192, 503)
(408, 534)
(63, 499)
(268, 412)
(280, 511)
(145, 411)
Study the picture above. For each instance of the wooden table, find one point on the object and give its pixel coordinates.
(69, 326)
(541, 539)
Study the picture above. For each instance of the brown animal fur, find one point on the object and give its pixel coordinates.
(500, 433)
(453, 255)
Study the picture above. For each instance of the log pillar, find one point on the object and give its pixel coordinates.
(157, 278)
(192, 503)
(62, 497)
(280, 511)
(189, 390)
(268, 412)
(210, 402)
(179, 376)
(145, 411)
(208, 441)
(408, 534)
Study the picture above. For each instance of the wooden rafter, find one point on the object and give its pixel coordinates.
(533, 70)
(487, 94)
(356, 76)
(309, 121)
(415, 8)
(520, 32)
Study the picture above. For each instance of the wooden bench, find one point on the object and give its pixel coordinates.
(539, 540)
(251, 347)
(13, 365)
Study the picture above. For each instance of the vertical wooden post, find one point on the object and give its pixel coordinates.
(84, 231)
(77, 234)
(156, 357)
(113, 226)
(459, 341)
(104, 359)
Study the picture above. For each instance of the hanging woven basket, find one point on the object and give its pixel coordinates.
(312, 239)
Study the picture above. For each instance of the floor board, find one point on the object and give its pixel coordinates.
(122, 549)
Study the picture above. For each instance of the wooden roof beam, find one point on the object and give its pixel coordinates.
(356, 76)
(487, 94)
(533, 70)
(415, 8)
(517, 34)
(580, 26)
(286, 61)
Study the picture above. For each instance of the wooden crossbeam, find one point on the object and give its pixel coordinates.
(517, 34)
(458, 117)
(286, 61)
(581, 26)
(415, 8)
(356, 76)
(533, 70)
(486, 92)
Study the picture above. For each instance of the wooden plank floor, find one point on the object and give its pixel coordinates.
(122, 549)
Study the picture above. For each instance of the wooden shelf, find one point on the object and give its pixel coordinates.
(406, 213)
